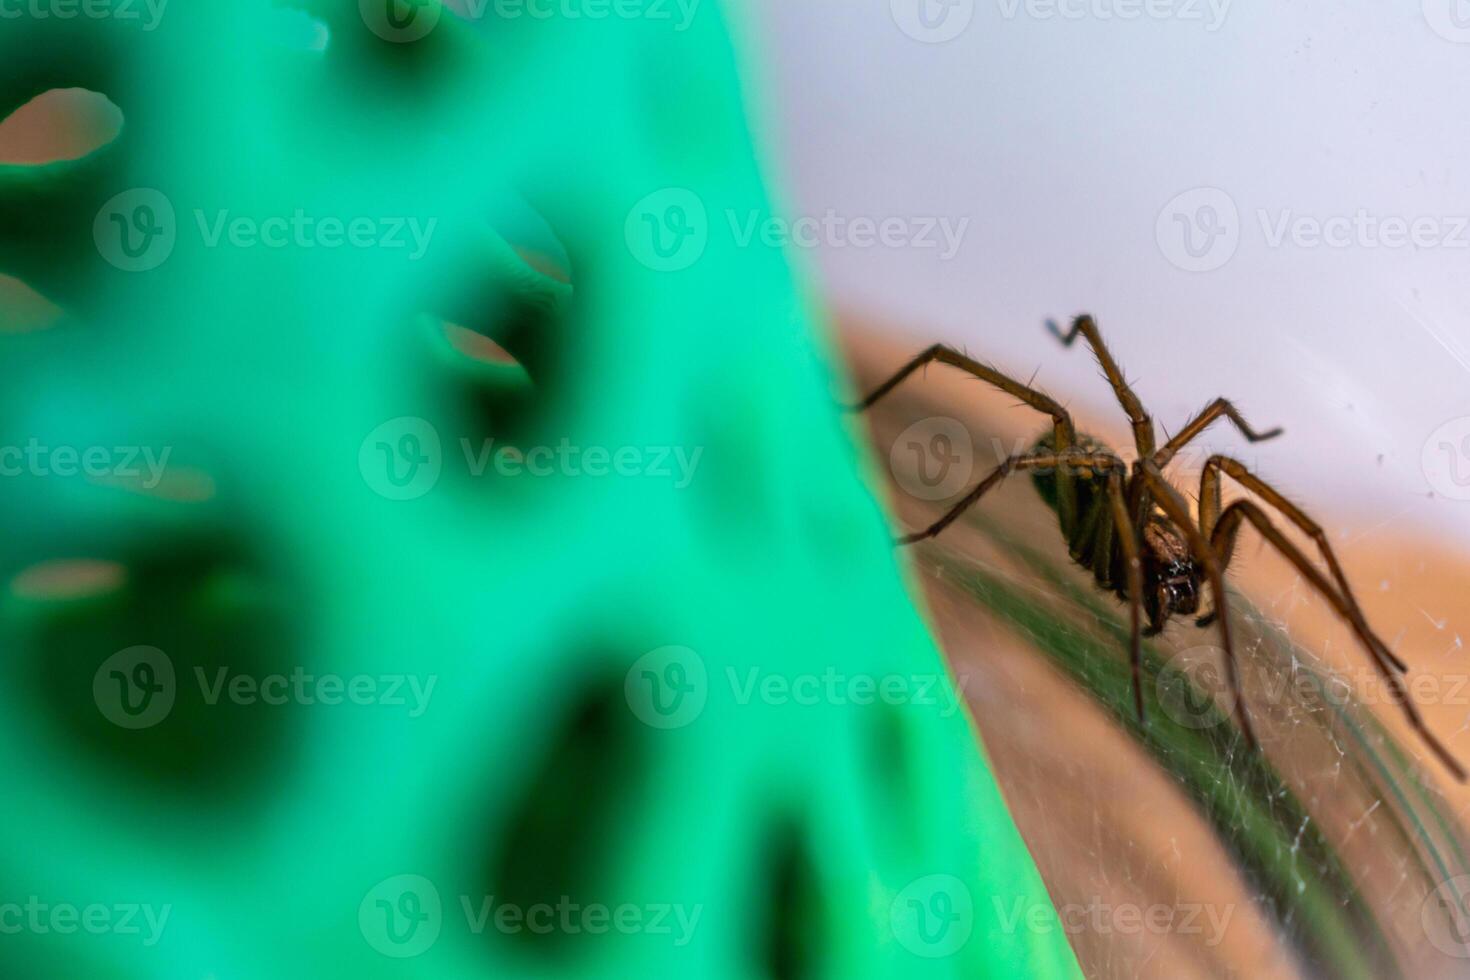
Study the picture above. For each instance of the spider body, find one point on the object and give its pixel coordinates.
(1173, 581)
(1135, 532)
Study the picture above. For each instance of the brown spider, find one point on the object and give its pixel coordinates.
(1135, 532)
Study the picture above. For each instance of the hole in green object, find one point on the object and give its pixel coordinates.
(891, 751)
(61, 124)
(69, 579)
(168, 720)
(23, 310)
(504, 347)
(793, 930)
(520, 307)
(477, 347)
(491, 394)
(557, 838)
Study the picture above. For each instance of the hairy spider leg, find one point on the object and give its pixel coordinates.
(1174, 505)
(1209, 511)
(1143, 426)
(1025, 461)
(1202, 421)
(1224, 535)
(1127, 539)
(1064, 436)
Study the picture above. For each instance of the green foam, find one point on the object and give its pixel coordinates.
(320, 513)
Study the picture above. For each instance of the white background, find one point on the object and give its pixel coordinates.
(1065, 131)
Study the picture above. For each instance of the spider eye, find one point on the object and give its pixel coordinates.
(1181, 589)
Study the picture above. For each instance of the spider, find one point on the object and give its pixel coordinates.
(1134, 531)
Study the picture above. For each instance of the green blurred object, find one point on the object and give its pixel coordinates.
(319, 680)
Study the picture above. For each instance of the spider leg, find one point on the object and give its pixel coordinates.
(1032, 461)
(1128, 541)
(1202, 421)
(1225, 533)
(1174, 505)
(1345, 601)
(1065, 434)
(1143, 426)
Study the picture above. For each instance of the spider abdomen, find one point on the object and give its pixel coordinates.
(1079, 498)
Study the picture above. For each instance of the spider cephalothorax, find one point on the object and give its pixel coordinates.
(1137, 534)
(1172, 580)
